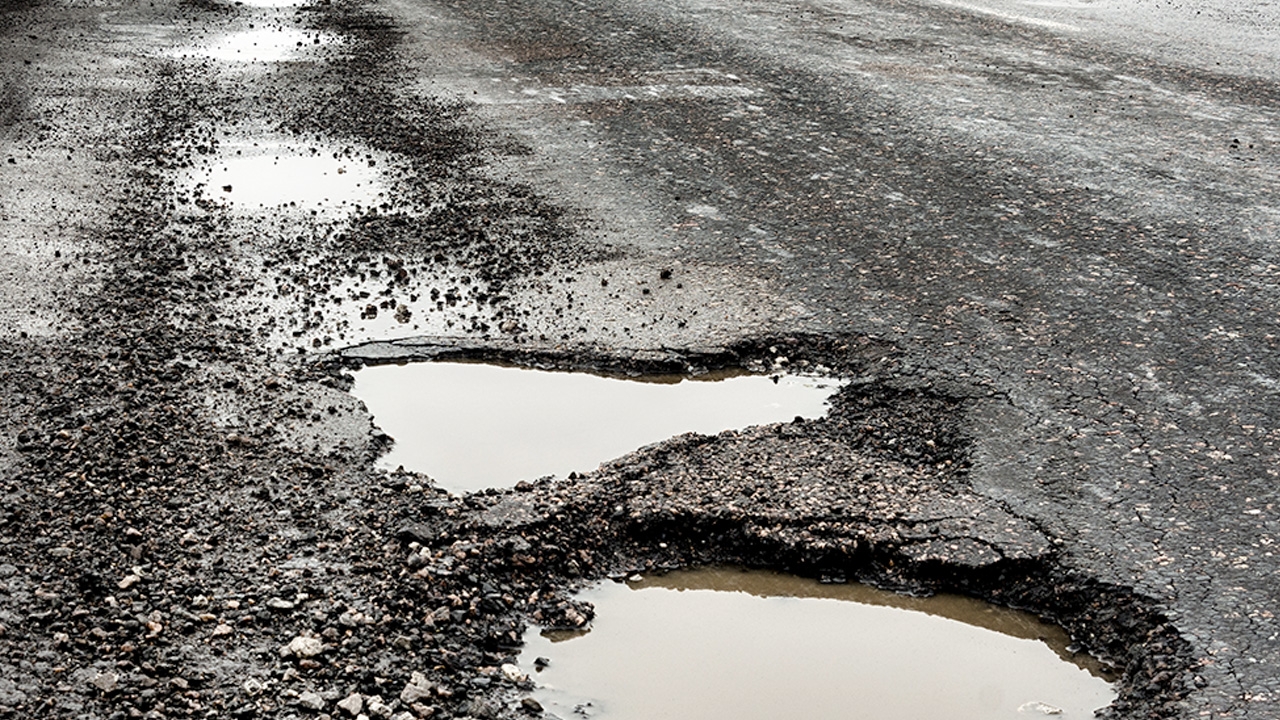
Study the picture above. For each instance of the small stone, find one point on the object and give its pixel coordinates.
(482, 710)
(377, 708)
(512, 673)
(61, 552)
(415, 532)
(222, 630)
(531, 706)
(418, 688)
(302, 647)
(575, 618)
(281, 604)
(106, 681)
(310, 700)
(353, 704)
(253, 686)
(128, 581)
(1039, 708)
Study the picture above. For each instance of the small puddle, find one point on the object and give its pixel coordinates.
(471, 426)
(259, 44)
(730, 643)
(267, 175)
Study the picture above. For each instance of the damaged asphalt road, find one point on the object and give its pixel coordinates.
(1043, 255)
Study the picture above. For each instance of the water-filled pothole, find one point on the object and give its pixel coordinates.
(471, 426)
(259, 44)
(725, 642)
(271, 174)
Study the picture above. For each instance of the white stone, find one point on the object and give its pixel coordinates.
(353, 704)
(417, 689)
(310, 700)
(303, 647)
(377, 708)
(106, 681)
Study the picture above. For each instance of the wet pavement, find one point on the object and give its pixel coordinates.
(1036, 240)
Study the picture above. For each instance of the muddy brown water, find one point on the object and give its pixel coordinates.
(730, 643)
(471, 426)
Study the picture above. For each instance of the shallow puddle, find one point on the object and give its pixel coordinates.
(730, 643)
(263, 44)
(471, 426)
(250, 176)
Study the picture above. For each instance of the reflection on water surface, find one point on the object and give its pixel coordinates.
(268, 174)
(262, 44)
(728, 643)
(471, 426)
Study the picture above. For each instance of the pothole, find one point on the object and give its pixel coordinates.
(271, 174)
(471, 426)
(726, 642)
(258, 44)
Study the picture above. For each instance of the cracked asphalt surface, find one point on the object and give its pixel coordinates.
(1038, 239)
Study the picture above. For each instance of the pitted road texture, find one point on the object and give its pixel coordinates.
(1039, 241)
